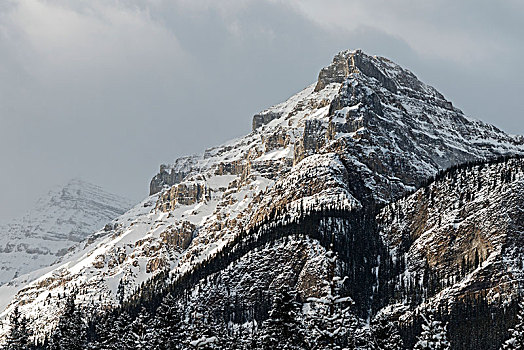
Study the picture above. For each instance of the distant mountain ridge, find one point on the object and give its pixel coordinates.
(65, 216)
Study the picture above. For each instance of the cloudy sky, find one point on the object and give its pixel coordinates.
(107, 90)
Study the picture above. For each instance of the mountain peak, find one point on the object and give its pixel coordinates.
(79, 182)
(387, 73)
(79, 185)
(66, 215)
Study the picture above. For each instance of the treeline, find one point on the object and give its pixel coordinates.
(169, 312)
(347, 233)
(350, 234)
(453, 171)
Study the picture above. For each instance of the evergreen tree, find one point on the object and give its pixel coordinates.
(332, 324)
(107, 338)
(122, 332)
(168, 325)
(282, 330)
(140, 331)
(516, 340)
(246, 337)
(207, 332)
(433, 336)
(362, 339)
(70, 333)
(120, 292)
(18, 336)
(386, 334)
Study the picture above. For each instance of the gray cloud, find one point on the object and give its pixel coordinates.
(107, 90)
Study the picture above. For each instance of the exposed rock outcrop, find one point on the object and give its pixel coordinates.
(263, 119)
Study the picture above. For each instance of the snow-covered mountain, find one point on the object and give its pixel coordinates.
(58, 221)
(457, 245)
(364, 135)
(466, 227)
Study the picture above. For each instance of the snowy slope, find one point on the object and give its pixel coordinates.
(466, 228)
(368, 131)
(59, 220)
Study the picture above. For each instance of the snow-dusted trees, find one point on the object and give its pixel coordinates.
(516, 340)
(139, 332)
(330, 320)
(332, 324)
(70, 333)
(120, 332)
(386, 334)
(106, 337)
(433, 336)
(120, 292)
(18, 336)
(283, 329)
(203, 334)
(168, 325)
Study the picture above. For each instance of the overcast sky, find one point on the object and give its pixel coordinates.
(106, 90)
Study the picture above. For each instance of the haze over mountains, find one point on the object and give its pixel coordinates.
(65, 216)
(339, 189)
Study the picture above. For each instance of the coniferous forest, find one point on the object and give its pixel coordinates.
(199, 310)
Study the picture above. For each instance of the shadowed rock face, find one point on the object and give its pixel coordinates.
(466, 228)
(379, 114)
(263, 119)
(186, 193)
(336, 72)
(348, 62)
(168, 177)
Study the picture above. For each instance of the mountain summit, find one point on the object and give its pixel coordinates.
(398, 130)
(310, 203)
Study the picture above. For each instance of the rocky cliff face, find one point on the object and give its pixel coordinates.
(466, 228)
(371, 111)
(66, 216)
(459, 239)
(365, 134)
